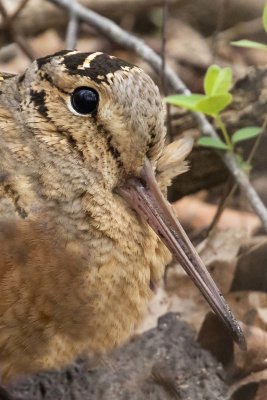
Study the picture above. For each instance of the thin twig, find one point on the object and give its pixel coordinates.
(18, 10)
(242, 29)
(163, 46)
(72, 28)
(257, 142)
(3, 10)
(113, 32)
(24, 46)
(228, 193)
(219, 24)
(163, 55)
(8, 27)
(232, 188)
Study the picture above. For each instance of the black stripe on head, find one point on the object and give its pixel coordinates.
(73, 61)
(21, 78)
(99, 68)
(112, 149)
(38, 99)
(13, 194)
(73, 143)
(114, 152)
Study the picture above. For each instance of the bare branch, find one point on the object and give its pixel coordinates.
(112, 31)
(19, 9)
(40, 15)
(24, 46)
(10, 31)
(163, 45)
(3, 10)
(163, 55)
(242, 29)
(72, 28)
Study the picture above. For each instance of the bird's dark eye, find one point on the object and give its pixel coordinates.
(84, 100)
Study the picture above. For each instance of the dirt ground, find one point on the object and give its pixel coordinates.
(163, 363)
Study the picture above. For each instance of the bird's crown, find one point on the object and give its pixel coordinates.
(106, 108)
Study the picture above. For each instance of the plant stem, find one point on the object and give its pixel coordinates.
(222, 127)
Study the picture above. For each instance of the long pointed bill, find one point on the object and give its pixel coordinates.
(144, 195)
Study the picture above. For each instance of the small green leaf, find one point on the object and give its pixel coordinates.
(198, 102)
(264, 18)
(213, 105)
(188, 102)
(216, 143)
(245, 134)
(211, 77)
(249, 43)
(217, 80)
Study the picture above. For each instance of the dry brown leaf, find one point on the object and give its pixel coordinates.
(248, 385)
(250, 307)
(262, 391)
(48, 42)
(255, 358)
(186, 45)
(198, 214)
(251, 271)
(179, 293)
(252, 364)
(214, 336)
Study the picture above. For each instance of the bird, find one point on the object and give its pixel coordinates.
(85, 227)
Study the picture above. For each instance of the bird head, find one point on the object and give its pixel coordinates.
(112, 115)
(110, 111)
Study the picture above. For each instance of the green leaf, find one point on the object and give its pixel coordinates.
(217, 80)
(264, 17)
(213, 105)
(249, 43)
(198, 102)
(210, 78)
(245, 134)
(188, 102)
(216, 143)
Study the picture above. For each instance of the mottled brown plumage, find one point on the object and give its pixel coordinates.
(77, 261)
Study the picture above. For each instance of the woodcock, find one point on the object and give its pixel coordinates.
(85, 231)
